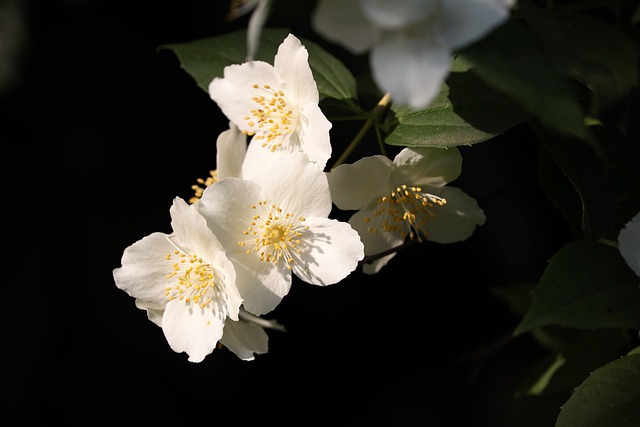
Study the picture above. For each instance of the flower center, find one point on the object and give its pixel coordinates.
(405, 211)
(193, 278)
(275, 236)
(272, 120)
(202, 184)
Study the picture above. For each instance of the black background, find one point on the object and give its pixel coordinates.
(103, 131)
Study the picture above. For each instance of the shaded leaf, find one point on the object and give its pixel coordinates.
(584, 352)
(512, 61)
(609, 397)
(465, 112)
(586, 285)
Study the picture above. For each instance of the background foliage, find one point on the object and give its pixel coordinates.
(533, 321)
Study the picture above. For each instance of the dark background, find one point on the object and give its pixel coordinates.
(102, 131)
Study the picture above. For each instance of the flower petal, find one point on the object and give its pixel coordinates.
(261, 284)
(354, 186)
(332, 251)
(457, 219)
(465, 21)
(235, 91)
(192, 330)
(255, 26)
(374, 242)
(231, 147)
(291, 181)
(397, 14)
(226, 206)
(344, 22)
(425, 60)
(314, 135)
(629, 243)
(245, 339)
(427, 166)
(144, 270)
(291, 65)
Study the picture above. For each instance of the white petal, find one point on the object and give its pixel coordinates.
(254, 27)
(193, 330)
(235, 91)
(313, 134)
(344, 22)
(144, 270)
(411, 68)
(292, 67)
(154, 310)
(245, 339)
(292, 182)
(331, 251)
(396, 14)
(192, 235)
(374, 242)
(427, 166)
(457, 219)
(629, 243)
(231, 147)
(262, 284)
(226, 206)
(465, 21)
(354, 186)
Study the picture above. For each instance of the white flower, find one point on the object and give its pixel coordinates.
(629, 243)
(184, 281)
(406, 198)
(274, 222)
(257, 20)
(277, 105)
(410, 41)
(247, 336)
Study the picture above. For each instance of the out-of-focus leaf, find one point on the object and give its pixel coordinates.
(517, 296)
(586, 285)
(574, 361)
(586, 169)
(206, 58)
(609, 397)
(590, 50)
(561, 192)
(465, 112)
(512, 61)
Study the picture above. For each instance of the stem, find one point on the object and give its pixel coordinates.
(375, 114)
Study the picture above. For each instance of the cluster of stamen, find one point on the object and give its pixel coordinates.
(202, 184)
(193, 278)
(405, 211)
(271, 119)
(274, 235)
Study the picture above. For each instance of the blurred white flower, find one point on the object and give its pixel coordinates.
(260, 13)
(276, 105)
(629, 243)
(274, 222)
(184, 281)
(410, 42)
(406, 198)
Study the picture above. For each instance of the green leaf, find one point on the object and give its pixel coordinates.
(517, 296)
(574, 361)
(465, 112)
(562, 193)
(206, 58)
(609, 397)
(512, 61)
(590, 50)
(586, 285)
(585, 166)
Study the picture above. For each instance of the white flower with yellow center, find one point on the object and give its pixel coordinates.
(277, 105)
(410, 42)
(274, 223)
(184, 281)
(405, 199)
